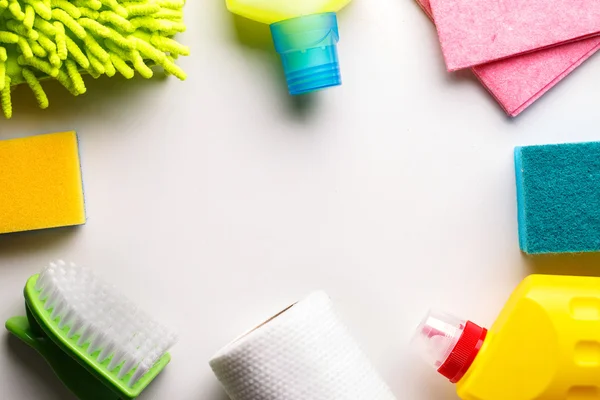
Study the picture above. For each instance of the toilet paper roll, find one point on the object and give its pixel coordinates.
(302, 353)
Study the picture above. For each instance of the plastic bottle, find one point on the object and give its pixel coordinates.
(545, 344)
(305, 33)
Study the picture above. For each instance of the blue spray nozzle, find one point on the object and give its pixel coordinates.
(308, 48)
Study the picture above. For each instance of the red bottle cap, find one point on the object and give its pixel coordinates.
(464, 353)
(448, 343)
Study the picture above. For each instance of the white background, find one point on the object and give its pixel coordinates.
(218, 201)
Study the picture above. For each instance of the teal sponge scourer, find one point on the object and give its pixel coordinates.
(558, 193)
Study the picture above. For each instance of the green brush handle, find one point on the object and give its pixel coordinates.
(83, 384)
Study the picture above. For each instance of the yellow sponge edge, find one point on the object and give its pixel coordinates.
(40, 183)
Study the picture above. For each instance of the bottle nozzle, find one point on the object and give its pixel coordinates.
(449, 344)
(308, 49)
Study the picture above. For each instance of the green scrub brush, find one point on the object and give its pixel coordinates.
(98, 343)
(63, 39)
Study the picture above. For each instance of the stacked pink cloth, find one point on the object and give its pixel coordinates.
(519, 49)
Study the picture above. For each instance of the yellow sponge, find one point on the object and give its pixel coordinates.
(40, 183)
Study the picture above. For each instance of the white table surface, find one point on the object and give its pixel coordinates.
(218, 201)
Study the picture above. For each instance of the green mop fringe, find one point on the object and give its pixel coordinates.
(63, 39)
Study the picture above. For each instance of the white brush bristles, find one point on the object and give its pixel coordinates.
(103, 318)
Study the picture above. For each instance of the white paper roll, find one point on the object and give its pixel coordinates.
(303, 353)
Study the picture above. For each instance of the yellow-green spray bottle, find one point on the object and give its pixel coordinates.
(305, 34)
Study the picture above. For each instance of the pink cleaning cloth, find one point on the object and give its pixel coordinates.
(474, 32)
(517, 82)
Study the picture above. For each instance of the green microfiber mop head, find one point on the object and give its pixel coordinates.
(63, 39)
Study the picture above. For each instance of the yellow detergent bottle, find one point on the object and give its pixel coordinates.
(305, 33)
(545, 344)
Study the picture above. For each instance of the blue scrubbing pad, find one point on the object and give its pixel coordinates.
(558, 194)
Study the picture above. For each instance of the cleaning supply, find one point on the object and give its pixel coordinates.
(477, 32)
(544, 344)
(61, 39)
(40, 181)
(303, 353)
(558, 197)
(517, 82)
(72, 315)
(305, 33)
